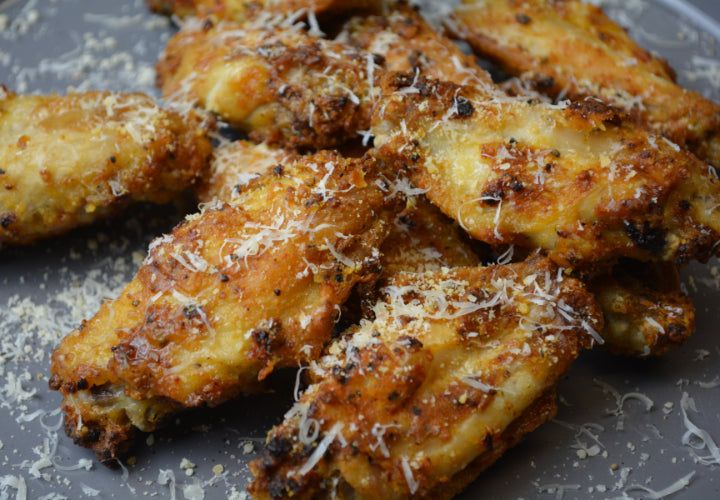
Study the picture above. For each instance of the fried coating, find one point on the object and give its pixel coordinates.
(645, 311)
(409, 44)
(66, 161)
(241, 11)
(455, 368)
(579, 182)
(235, 291)
(571, 48)
(281, 85)
(235, 164)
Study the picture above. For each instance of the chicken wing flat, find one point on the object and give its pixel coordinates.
(235, 291)
(68, 160)
(645, 311)
(573, 49)
(249, 10)
(409, 44)
(456, 366)
(281, 85)
(579, 182)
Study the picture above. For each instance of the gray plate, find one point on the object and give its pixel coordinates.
(595, 448)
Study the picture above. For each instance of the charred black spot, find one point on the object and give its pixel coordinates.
(488, 441)
(517, 185)
(685, 205)
(464, 107)
(545, 82)
(277, 447)
(523, 18)
(281, 487)
(646, 237)
(6, 219)
(339, 374)
(82, 384)
(416, 410)
(339, 278)
(278, 170)
(393, 396)
(93, 435)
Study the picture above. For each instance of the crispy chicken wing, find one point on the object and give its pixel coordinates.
(68, 160)
(248, 10)
(572, 48)
(579, 181)
(456, 366)
(645, 311)
(281, 84)
(237, 290)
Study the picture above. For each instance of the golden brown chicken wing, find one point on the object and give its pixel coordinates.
(645, 311)
(68, 160)
(456, 366)
(579, 181)
(280, 85)
(237, 290)
(248, 10)
(571, 48)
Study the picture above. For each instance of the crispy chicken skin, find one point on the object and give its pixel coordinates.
(645, 311)
(579, 182)
(572, 48)
(68, 160)
(456, 366)
(233, 292)
(248, 10)
(409, 44)
(281, 85)
(235, 164)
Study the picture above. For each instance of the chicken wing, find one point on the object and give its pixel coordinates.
(579, 181)
(455, 368)
(248, 10)
(281, 85)
(68, 160)
(237, 290)
(645, 311)
(571, 48)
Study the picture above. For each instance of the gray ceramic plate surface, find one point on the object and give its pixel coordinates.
(595, 448)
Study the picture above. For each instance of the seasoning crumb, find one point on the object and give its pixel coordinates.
(187, 464)
(218, 469)
(150, 440)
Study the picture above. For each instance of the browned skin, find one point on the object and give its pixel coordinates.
(409, 44)
(646, 313)
(631, 301)
(237, 290)
(572, 48)
(281, 85)
(234, 165)
(579, 182)
(248, 10)
(417, 402)
(66, 161)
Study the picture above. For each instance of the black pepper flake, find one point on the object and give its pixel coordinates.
(2, 172)
(277, 292)
(393, 396)
(523, 18)
(555, 153)
(685, 205)
(339, 278)
(224, 278)
(113, 159)
(135, 303)
(278, 170)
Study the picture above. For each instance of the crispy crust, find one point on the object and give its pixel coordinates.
(68, 160)
(282, 85)
(579, 182)
(230, 294)
(573, 48)
(419, 401)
